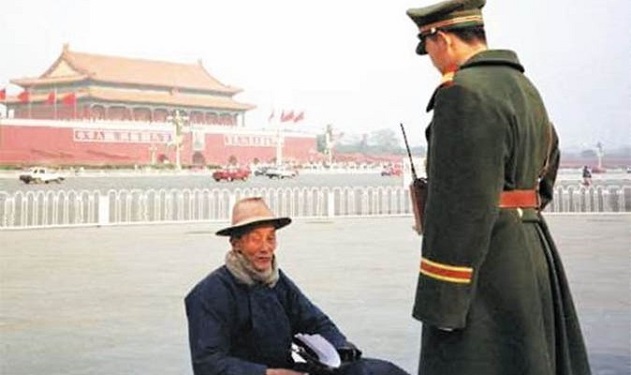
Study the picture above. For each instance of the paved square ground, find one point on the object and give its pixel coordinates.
(109, 300)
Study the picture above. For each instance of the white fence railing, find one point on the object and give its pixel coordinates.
(66, 208)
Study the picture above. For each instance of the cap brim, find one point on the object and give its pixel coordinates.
(420, 49)
(278, 223)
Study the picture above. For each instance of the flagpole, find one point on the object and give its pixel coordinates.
(55, 104)
(4, 102)
(279, 150)
(29, 103)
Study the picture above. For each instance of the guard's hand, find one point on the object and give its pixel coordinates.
(282, 371)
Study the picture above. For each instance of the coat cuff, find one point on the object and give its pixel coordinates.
(443, 294)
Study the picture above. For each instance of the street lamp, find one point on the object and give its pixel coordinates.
(152, 154)
(279, 147)
(599, 154)
(329, 143)
(178, 121)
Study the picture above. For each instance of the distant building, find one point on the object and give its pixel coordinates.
(94, 109)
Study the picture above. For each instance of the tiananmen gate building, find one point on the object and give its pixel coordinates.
(89, 109)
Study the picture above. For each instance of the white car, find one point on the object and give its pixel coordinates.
(281, 172)
(38, 175)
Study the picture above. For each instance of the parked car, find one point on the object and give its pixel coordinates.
(392, 171)
(231, 173)
(281, 172)
(38, 175)
(596, 169)
(260, 171)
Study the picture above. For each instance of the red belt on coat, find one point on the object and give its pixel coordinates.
(519, 199)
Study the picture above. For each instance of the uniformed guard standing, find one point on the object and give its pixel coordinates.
(491, 293)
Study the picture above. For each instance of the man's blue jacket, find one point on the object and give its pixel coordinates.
(236, 329)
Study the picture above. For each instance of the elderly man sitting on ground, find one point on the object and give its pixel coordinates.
(245, 315)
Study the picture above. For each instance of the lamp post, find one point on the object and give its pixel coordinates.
(178, 121)
(152, 154)
(279, 147)
(600, 153)
(329, 143)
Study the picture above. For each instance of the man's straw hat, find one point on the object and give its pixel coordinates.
(249, 212)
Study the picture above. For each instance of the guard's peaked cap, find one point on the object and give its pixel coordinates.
(451, 14)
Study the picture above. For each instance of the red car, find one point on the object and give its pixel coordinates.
(392, 171)
(231, 174)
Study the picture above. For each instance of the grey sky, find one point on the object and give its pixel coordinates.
(348, 63)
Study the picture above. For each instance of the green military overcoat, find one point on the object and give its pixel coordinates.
(492, 293)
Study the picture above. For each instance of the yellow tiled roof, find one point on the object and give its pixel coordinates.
(147, 97)
(72, 66)
(177, 99)
(27, 82)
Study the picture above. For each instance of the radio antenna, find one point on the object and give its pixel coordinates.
(407, 147)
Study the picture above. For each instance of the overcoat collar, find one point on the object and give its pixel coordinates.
(486, 57)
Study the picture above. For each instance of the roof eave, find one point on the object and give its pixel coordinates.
(28, 82)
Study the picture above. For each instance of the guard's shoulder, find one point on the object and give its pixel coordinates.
(446, 81)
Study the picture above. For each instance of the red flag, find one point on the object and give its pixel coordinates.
(300, 116)
(69, 99)
(3, 94)
(24, 96)
(287, 116)
(52, 97)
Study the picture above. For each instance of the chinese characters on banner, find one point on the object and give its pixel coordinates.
(239, 140)
(120, 136)
(158, 137)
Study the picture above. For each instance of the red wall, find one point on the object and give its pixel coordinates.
(87, 144)
(219, 149)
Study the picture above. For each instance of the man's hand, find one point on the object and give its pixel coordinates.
(349, 352)
(282, 371)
